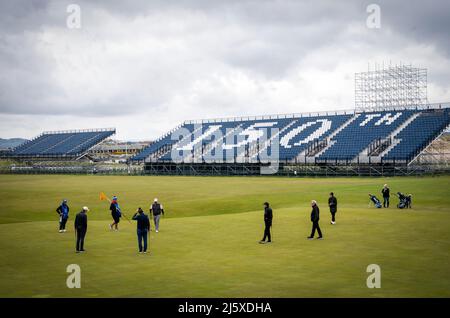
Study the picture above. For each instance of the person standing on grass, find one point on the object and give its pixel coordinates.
(386, 194)
(63, 211)
(115, 213)
(332, 203)
(315, 221)
(81, 229)
(143, 227)
(268, 216)
(156, 209)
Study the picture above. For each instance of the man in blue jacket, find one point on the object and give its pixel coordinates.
(63, 211)
(143, 227)
(115, 213)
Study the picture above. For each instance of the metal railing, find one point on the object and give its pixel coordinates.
(75, 131)
(442, 105)
(270, 117)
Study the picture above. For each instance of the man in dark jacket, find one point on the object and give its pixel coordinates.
(268, 216)
(332, 203)
(143, 227)
(81, 228)
(115, 213)
(315, 221)
(63, 211)
(386, 194)
(156, 209)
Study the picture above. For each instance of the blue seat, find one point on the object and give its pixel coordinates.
(418, 134)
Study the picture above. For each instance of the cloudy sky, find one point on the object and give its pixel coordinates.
(145, 66)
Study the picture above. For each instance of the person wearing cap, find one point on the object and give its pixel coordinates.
(63, 211)
(386, 194)
(268, 216)
(332, 203)
(315, 221)
(115, 213)
(156, 209)
(81, 228)
(143, 227)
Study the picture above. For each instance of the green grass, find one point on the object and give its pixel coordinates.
(208, 247)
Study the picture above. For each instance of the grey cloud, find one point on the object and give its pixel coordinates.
(426, 22)
(187, 58)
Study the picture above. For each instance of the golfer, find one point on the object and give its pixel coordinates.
(143, 227)
(156, 209)
(332, 203)
(386, 194)
(63, 211)
(115, 213)
(315, 221)
(81, 229)
(268, 216)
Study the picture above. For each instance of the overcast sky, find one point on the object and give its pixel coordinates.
(145, 66)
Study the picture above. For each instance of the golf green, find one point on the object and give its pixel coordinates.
(208, 243)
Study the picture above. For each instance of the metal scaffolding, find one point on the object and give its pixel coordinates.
(390, 87)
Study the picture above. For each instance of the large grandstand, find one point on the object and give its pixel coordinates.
(391, 125)
(394, 136)
(67, 144)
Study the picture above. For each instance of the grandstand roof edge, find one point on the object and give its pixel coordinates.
(442, 105)
(315, 114)
(279, 116)
(78, 131)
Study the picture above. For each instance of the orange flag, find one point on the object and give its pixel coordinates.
(103, 196)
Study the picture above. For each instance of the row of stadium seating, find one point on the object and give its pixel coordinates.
(61, 143)
(416, 136)
(342, 137)
(163, 142)
(306, 131)
(352, 140)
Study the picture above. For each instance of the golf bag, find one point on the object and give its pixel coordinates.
(405, 201)
(375, 201)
